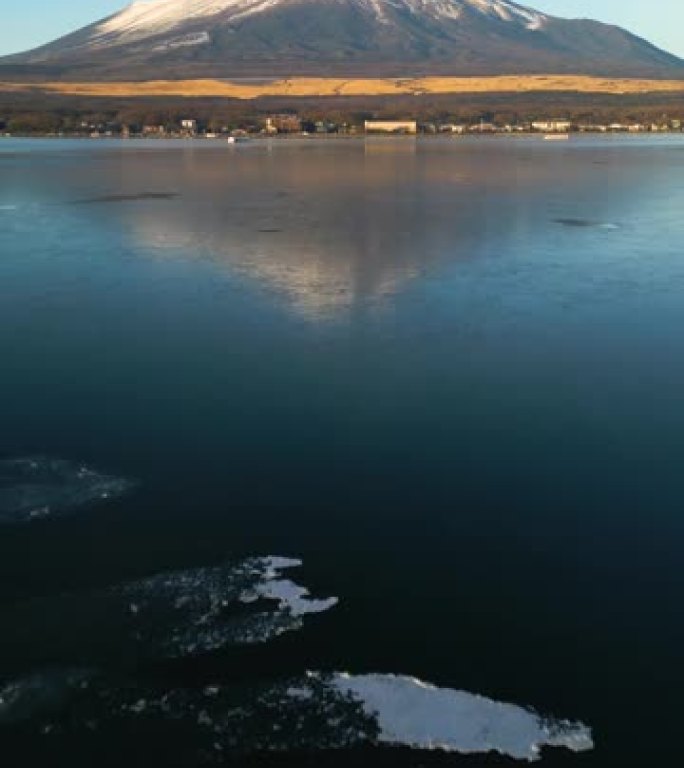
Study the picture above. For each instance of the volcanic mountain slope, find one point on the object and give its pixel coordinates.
(228, 38)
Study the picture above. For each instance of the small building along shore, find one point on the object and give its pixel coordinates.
(207, 124)
(409, 127)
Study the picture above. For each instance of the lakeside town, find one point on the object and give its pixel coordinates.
(292, 124)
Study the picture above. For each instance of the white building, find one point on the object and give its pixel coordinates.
(552, 126)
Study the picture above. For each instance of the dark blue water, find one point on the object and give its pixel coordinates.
(448, 375)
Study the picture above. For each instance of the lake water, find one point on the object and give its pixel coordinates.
(447, 375)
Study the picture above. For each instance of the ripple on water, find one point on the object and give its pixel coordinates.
(127, 198)
(577, 223)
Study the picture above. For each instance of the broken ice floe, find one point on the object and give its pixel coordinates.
(36, 487)
(317, 711)
(290, 597)
(168, 615)
(207, 722)
(203, 609)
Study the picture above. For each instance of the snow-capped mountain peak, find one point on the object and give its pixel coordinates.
(144, 18)
(390, 38)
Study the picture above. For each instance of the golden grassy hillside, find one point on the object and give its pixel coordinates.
(312, 86)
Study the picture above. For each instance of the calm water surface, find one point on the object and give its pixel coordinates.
(448, 375)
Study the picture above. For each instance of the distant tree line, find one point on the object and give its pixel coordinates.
(34, 113)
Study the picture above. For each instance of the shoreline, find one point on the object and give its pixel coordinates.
(291, 137)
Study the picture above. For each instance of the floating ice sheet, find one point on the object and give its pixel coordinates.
(37, 487)
(415, 714)
(317, 711)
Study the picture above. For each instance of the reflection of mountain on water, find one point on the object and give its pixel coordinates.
(334, 224)
(326, 229)
(326, 225)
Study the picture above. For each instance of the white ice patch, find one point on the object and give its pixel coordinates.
(291, 597)
(300, 693)
(274, 564)
(416, 714)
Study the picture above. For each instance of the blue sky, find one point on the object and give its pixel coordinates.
(27, 24)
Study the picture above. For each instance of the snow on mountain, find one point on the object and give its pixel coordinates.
(154, 17)
(145, 18)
